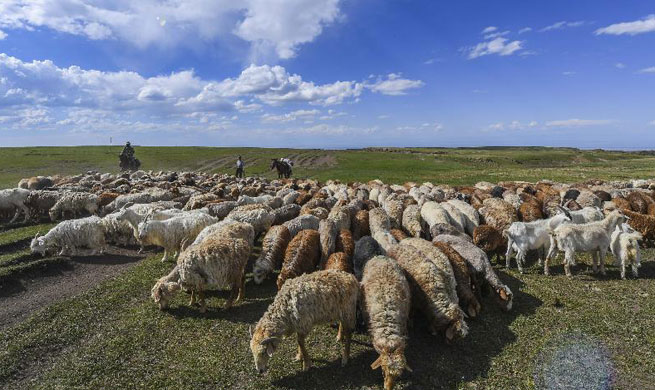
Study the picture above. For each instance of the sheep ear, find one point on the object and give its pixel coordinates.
(503, 294)
(377, 363)
(128, 205)
(408, 368)
(270, 349)
(269, 340)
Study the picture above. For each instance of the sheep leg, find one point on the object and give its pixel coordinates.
(594, 261)
(302, 353)
(345, 337)
(18, 210)
(569, 257)
(163, 259)
(242, 287)
(233, 294)
(193, 298)
(201, 300)
(602, 253)
(520, 259)
(635, 271)
(508, 254)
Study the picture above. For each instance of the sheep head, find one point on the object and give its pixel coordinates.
(39, 245)
(162, 292)
(504, 297)
(262, 348)
(393, 364)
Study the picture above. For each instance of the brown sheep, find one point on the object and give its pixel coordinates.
(360, 225)
(398, 234)
(303, 198)
(274, 245)
(622, 203)
(530, 211)
(339, 261)
(639, 201)
(107, 197)
(490, 240)
(302, 256)
(466, 286)
(603, 195)
(345, 243)
(644, 224)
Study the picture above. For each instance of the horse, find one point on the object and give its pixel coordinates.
(128, 163)
(283, 169)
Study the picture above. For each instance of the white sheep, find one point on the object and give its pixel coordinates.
(229, 229)
(245, 199)
(471, 215)
(260, 219)
(412, 220)
(70, 235)
(624, 244)
(302, 222)
(15, 198)
(172, 232)
(433, 215)
(75, 203)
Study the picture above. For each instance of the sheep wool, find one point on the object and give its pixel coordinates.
(360, 225)
(339, 261)
(274, 245)
(412, 220)
(302, 256)
(365, 249)
(464, 279)
(327, 231)
(300, 223)
(70, 235)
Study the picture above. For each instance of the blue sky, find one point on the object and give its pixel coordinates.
(310, 73)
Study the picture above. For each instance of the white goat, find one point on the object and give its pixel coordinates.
(15, 198)
(70, 235)
(624, 245)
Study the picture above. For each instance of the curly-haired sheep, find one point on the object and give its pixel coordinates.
(463, 276)
(340, 261)
(15, 198)
(172, 232)
(302, 256)
(260, 219)
(75, 203)
(386, 301)
(70, 235)
(365, 249)
(490, 240)
(345, 243)
(303, 302)
(300, 223)
(412, 220)
(327, 231)
(360, 225)
(274, 245)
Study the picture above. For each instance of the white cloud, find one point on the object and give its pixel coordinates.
(279, 26)
(500, 46)
(525, 30)
(514, 125)
(489, 29)
(620, 65)
(291, 116)
(652, 123)
(578, 123)
(3, 35)
(394, 84)
(562, 25)
(568, 73)
(331, 130)
(648, 70)
(644, 25)
(496, 34)
(427, 126)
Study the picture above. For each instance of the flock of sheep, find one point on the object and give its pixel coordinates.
(365, 252)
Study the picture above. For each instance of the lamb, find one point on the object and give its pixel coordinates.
(308, 300)
(15, 198)
(215, 262)
(345, 243)
(360, 225)
(327, 231)
(260, 219)
(301, 223)
(365, 249)
(70, 235)
(463, 276)
(591, 237)
(285, 213)
(302, 255)
(525, 236)
(471, 215)
(483, 271)
(431, 291)
(624, 244)
(75, 203)
(172, 232)
(274, 245)
(339, 261)
(386, 301)
(412, 220)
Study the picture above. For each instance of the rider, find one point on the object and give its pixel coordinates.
(287, 161)
(128, 151)
(240, 166)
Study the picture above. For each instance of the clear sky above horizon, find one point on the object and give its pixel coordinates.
(328, 73)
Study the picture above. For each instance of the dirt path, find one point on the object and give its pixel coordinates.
(34, 291)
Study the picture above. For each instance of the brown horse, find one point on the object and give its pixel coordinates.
(283, 169)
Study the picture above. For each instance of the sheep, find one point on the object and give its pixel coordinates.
(290, 198)
(360, 225)
(151, 196)
(498, 213)
(199, 200)
(591, 237)
(525, 236)
(285, 213)
(302, 255)
(624, 245)
(319, 212)
(644, 224)
(215, 262)
(441, 228)
(386, 300)
(385, 239)
(39, 183)
(639, 201)
(118, 232)
(15, 198)
(378, 221)
(398, 234)
(70, 235)
(274, 245)
(327, 231)
(412, 221)
(341, 217)
(483, 271)
(345, 243)
(490, 240)
(245, 199)
(431, 291)
(228, 229)
(365, 249)
(394, 209)
(308, 300)
(75, 203)
(172, 232)
(622, 203)
(221, 210)
(300, 223)
(457, 218)
(531, 209)
(588, 199)
(260, 219)
(471, 215)
(463, 276)
(105, 198)
(41, 201)
(434, 215)
(339, 261)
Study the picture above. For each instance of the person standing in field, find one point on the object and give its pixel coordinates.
(240, 166)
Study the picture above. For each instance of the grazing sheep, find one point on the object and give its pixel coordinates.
(386, 301)
(228, 229)
(434, 215)
(431, 291)
(412, 221)
(339, 261)
(440, 228)
(290, 198)
(302, 256)
(345, 243)
(260, 219)
(70, 235)
(361, 225)
(498, 213)
(199, 201)
(245, 199)
(300, 223)
(644, 224)
(285, 213)
(327, 231)
(319, 212)
(525, 236)
(303, 302)
(457, 218)
(40, 202)
(398, 234)
(39, 183)
(588, 199)
(118, 232)
(215, 262)
(490, 240)
(365, 249)
(221, 210)
(639, 201)
(624, 245)
(591, 237)
(622, 203)
(341, 217)
(274, 245)
(15, 198)
(153, 195)
(105, 198)
(471, 215)
(75, 203)
(172, 232)
(394, 209)
(378, 221)
(385, 239)
(483, 269)
(462, 271)
(530, 210)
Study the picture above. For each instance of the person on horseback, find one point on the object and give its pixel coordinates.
(240, 166)
(127, 160)
(128, 151)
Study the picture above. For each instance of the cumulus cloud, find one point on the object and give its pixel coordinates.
(652, 123)
(562, 25)
(3, 35)
(427, 126)
(513, 125)
(500, 46)
(279, 26)
(291, 116)
(578, 123)
(394, 84)
(642, 26)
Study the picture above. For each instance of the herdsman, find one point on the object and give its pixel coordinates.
(240, 166)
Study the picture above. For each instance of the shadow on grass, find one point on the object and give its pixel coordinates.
(435, 364)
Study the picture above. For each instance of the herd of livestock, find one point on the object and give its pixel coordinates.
(345, 252)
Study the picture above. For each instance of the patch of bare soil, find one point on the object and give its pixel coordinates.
(314, 161)
(35, 290)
